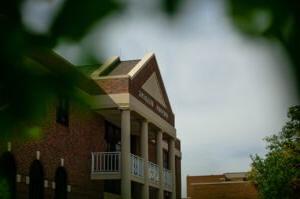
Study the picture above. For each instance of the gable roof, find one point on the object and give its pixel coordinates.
(147, 67)
(153, 87)
(123, 67)
(147, 71)
(140, 79)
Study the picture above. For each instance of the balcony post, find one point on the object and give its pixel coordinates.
(144, 154)
(159, 155)
(172, 165)
(125, 154)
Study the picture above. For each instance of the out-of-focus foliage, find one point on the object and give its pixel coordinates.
(278, 20)
(25, 87)
(171, 6)
(7, 176)
(277, 176)
(4, 189)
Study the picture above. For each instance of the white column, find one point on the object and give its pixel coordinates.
(144, 153)
(159, 155)
(172, 165)
(125, 155)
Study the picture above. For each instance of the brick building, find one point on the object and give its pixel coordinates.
(123, 145)
(225, 186)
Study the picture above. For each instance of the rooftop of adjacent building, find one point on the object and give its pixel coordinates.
(226, 177)
(233, 185)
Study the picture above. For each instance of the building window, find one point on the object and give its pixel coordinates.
(166, 159)
(61, 182)
(62, 111)
(112, 186)
(8, 172)
(36, 182)
(112, 137)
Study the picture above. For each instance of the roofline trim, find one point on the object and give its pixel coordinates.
(112, 77)
(126, 100)
(109, 62)
(133, 72)
(223, 182)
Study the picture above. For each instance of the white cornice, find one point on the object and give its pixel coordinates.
(112, 60)
(127, 100)
(133, 72)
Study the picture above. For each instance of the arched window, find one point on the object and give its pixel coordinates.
(8, 171)
(61, 181)
(36, 183)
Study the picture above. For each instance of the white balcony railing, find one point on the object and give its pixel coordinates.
(109, 163)
(104, 162)
(167, 178)
(137, 166)
(153, 170)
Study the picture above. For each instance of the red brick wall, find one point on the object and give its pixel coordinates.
(178, 177)
(152, 152)
(75, 143)
(116, 85)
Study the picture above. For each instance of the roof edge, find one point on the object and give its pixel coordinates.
(109, 62)
(133, 72)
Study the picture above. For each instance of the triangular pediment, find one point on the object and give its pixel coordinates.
(152, 87)
(146, 78)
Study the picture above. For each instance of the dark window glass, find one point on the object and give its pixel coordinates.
(112, 186)
(153, 193)
(134, 144)
(61, 181)
(36, 182)
(62, 111)
(165, 159)
(112, 137)
(8, 171)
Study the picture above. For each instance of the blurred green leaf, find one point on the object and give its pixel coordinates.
(277, 20)
(77, 17)
(171, 7)
(4, 189)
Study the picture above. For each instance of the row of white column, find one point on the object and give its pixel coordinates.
(125, 159)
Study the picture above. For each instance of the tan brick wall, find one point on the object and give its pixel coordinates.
(217, 188)
(224, 191)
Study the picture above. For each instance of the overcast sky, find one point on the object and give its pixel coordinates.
(227, 92)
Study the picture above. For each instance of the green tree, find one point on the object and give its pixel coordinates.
(277, 175)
